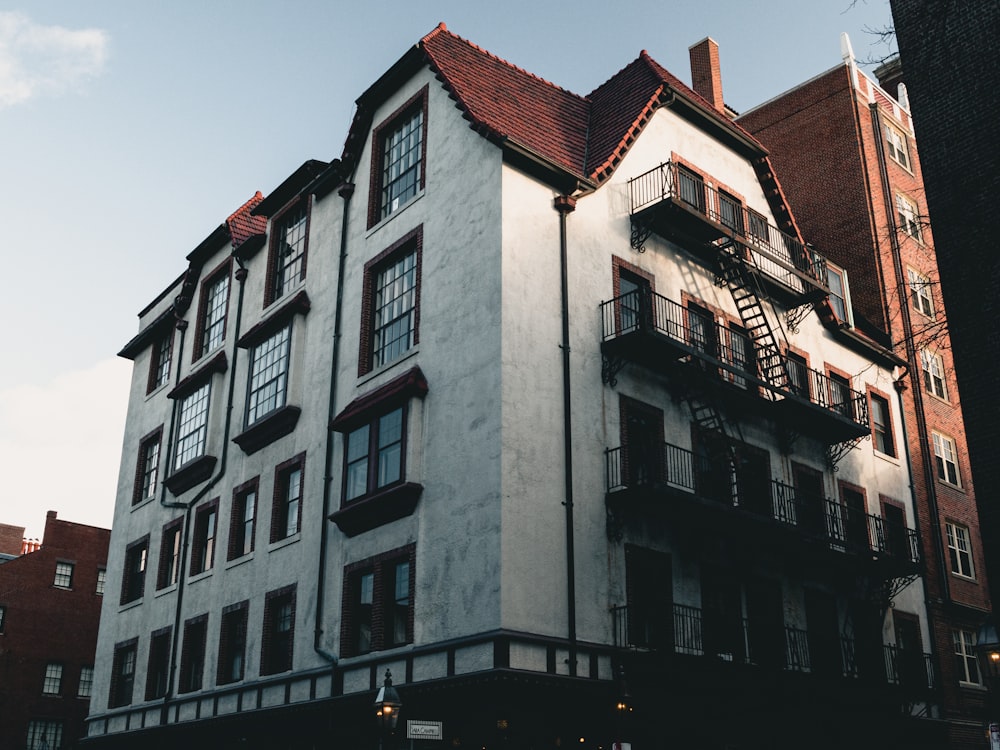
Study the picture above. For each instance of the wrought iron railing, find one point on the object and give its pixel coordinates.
(773, 251)
(908, 668)
(797, 650)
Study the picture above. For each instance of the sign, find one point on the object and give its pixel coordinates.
(424, 730)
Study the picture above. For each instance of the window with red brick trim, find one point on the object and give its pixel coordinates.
(134, 574)
(399, 158)
(159, 361)
(286, 511)
(158, 667)
(881, 420)
(286, 262)
(206, 521)
(232, 643)
(169, 567)
(147, 467)
(123, 673)
(213, 308)
(193, 654)
(378, 602)
(243, 519)
(278, 637)
(390, 303)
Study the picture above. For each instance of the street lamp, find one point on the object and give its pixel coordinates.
(387, 707)
(623, 707)
(988, 656)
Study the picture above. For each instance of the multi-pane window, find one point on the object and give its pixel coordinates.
(920, 292)
(169, 568)
(159, 365)
(102, 577)
(691, 188)
(838, 293)
(158, 668)
(759, 231)
(193, 654)
(192, 429)
(882, 425)
(840, 395)
(378, 603)
(123, 674)
(85, 688)
(232, 644)
(287, 510)
(896, 145)
(203, 548)
(53, 679)
(932, 365)
(798, 374)
(908, 216)
(965, 657)
(268, 375)
(279, 631)
(243, 520)
(945, 458)
(402, 161)
(290, 250)
(134, 575)
(147, 468)
(373, 455)
(959, 550)
(731, 212)
(215, 304)
(64, 575)
(395, 309)
(44, 734)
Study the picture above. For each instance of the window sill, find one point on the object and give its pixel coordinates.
(145, 501)
(130, 605)
(166, 590)
(378, 509)
(241, 560)
(384, 221)
(885, 457)
(372, 374)
(266, 430)
(193, 472)
(195, 577)
(271, 547)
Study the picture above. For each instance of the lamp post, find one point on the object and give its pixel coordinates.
(387, 707)
(623, 707)
(988, 656)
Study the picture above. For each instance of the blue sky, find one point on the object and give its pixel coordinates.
(130, 130)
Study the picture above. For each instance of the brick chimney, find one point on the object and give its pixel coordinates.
(706, 77)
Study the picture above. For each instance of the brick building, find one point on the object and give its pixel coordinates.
(50, 604)
(845, 148)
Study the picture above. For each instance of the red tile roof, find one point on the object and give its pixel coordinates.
(242, 224)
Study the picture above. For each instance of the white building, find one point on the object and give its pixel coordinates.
(528, 400)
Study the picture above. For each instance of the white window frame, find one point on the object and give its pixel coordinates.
(932, 366)
(896, 145)
(64, 572)
(965, 651)
(946, 457)
(192, 425)
(52, 685)
(85, 689)
(394, 308)
(268, 389)
(920, 292)
(909, 216)
(840, 299)
(959, 550)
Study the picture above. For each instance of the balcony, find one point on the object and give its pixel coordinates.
(695, 632)
(677, 204)
(653, 331)
(712, 492)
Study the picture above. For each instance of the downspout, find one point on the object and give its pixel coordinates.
(241, 275)
(911, 357)
(565, 205)
(345, 192)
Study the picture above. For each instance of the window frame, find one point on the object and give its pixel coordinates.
(382, 570)
(277, 655)
(102, 581)
(3, 617)
(908, 216)
(284, 500)
(169, 568)
(882, 434)
(85, 685)
(898, 151)
(160, 361)
(372, 454)
(123, 666)
(63, 578)
(53, 679)
(134, 576)
(193, 654)
(158, 663)
(960, 556)
(232, 643)
(275, 368)
(238, 541)
(204, 536)
(49, 729)
(278, 285)
(921, 297)
(941, 443)
(964, 647)
(416, 105)
(147, 466)
(195, 425)
(840, 298)
(210, 314)
(933, 374)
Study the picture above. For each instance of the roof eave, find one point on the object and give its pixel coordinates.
(708, 120)
(530, 161)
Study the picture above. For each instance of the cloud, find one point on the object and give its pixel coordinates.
(38, 60)
(60, 446)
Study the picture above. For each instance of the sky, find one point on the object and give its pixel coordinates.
(130, 130)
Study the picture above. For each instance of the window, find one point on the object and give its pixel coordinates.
(731, 212)
(243, 520)
(193, 654)
(212, 311)
(945, 457)
(203, 548)
(64, 575)
(398, 161)
(287, 509)
(232, 643)
(192, 429)
(279, 631)
(959, 550)
(798, 374)
(102, 577)
(44, 734)
(289, 239)
(882, 425)
(122, 674)
(378, 603)
(634, 296)
(908, 216)
(86, 687)
(896, 145)
(759, 231)
(837, 281)
(920, 292)
(933, 368)
(134, 576)
(3, 617)
(965, 657)
(159, 363)
(691, 188)
(374, 455)
(840, 395)
(147, 467)
(268, 375)
(170, 554)
(159, 663)
(53, 679)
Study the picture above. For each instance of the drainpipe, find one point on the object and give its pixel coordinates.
(345, 192)
(241, 275)
(911, 358)
(565, 205)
